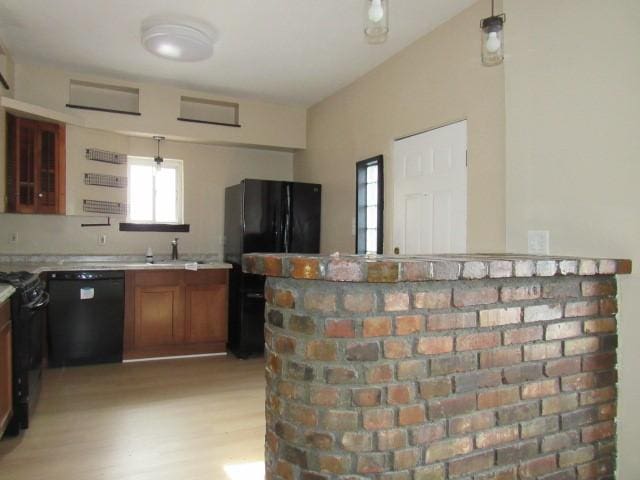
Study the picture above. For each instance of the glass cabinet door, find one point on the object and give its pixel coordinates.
(26, 166)
(47, 192)
(35, 173)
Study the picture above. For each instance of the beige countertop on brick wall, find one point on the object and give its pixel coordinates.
(384, 269)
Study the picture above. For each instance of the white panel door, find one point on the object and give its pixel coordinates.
(430, 192)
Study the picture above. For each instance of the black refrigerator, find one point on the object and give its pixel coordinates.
(264, 216)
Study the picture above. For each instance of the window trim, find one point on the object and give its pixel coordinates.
(170, 163)
(361, 168)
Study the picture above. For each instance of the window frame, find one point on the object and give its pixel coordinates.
(361, 204)
(178, 165)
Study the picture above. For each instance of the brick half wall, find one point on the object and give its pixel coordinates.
(500, 379)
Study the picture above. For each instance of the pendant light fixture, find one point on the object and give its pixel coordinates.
(376, 20)
(493, 38)
(158, 159)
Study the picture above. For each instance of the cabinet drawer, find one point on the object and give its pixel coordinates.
(205, 277)
(158, 278)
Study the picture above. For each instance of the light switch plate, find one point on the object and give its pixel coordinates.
(538, 242)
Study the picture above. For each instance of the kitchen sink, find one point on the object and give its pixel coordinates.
(177, 262)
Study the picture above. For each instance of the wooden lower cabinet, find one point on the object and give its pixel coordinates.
(159, 316)
(174, 312)
(6, 374)
(204, 303)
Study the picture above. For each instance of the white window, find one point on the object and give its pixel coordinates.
(155, 194)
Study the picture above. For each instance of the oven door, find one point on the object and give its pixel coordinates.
(28, 343)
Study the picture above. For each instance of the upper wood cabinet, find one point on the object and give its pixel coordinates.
(35, 166)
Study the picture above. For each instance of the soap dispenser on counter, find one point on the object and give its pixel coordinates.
(149, 256)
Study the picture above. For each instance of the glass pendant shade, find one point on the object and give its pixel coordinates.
(376, 20)
(158, 159)
(492, 29)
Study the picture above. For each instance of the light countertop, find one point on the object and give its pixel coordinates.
(51, 263)
(5, 292)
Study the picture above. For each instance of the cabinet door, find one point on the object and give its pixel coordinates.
(36, 166)
(23, 165)
(206, 313)
(6, 400)
(159, 317)
(48, 168)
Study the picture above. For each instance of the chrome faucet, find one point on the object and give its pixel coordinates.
(174, 249)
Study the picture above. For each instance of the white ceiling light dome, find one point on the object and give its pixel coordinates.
(181, 40)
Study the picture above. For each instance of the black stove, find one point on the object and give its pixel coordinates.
(28, 285)
(17, 279)
(28, 316)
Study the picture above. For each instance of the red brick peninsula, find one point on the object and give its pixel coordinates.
(439, 367)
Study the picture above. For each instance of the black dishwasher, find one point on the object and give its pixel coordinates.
(85, 317)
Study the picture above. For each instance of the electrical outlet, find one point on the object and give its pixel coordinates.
(13, 237)
(538, 242)
(102, 239)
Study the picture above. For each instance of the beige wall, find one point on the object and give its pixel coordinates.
(9, 71)
(263, 124)
(437, 80)
(573, 105)
(208, 170)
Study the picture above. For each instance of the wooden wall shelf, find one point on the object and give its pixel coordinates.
(98, 109)
(237, 125)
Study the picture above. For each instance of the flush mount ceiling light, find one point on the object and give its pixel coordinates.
(493, 38)
(185, 42)
(376, 20)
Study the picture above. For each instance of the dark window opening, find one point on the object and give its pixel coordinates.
(369, 206)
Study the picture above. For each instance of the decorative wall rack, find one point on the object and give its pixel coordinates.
(103, 180)
(98, 155)
(103, 206)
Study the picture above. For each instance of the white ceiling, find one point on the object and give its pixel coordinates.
(288, 51)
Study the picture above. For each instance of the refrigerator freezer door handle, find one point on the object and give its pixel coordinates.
(274, 229)
(287, 221)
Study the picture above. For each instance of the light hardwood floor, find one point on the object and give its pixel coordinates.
(200, 418)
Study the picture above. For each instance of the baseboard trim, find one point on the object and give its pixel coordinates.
(175, 357)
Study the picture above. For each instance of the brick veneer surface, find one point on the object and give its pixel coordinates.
(495, 378)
